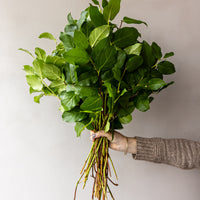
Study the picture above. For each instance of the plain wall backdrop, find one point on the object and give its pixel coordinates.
(40, 156)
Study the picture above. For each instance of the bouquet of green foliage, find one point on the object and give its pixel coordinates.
(100, 73)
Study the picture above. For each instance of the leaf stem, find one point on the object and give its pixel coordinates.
(110, 193)
(155, 63)
(94, 66)
(88, 156)
(77, 186)
(118, 89)
(104, 190)
(88, 170)
(50, 89)
(113, 166)
(120, 24)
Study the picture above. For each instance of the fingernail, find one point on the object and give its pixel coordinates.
(93, 136)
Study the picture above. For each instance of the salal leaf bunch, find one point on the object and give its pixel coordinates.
(100, 72)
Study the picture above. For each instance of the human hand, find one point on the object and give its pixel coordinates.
(119, 142)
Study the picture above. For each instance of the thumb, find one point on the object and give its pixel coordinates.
(94, 135)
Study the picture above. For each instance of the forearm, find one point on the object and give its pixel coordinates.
(181, 153)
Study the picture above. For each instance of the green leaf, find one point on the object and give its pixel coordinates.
(62, 110)
(147, 54)
(80, 40)
(107, 76)
(82, 19)
(124, 100)
(67, 41)
(35, 82)
(47, 92)
(70, 28)
(87, 28)
(117, 73)
(111, 89)
(37, 66)
(96, 17)
(88, 123)
(167, 85)
(119, 64)
(133, 21)
(59, 51)
(121, 57)
(40, 53)
(88, 78)
(111, 10)
(51, 72)
(142, 102)
(98, 34)
(87, 91)
(58, 86)
(133, 63)
(29, 70)
(79, 127)
(83, 91)
(156, 74)
(69, 100)
(77, 56)
(127, 109)
(26, 51)
(156, 83)
(123, 92)
(151, 99)
(58, 61)
(70, 19)
(92, 104)
(47, 36)
(134, 49)
(95, 2)
(31, 90)
(167, 55)
(143, 82)
(126, 119)
(71, 74)
(104, 3)
(37, 98)
(156, 50)
(104, 55)
(125, 37)
(116, 124)
(133, 78)
(74, 115)
(107, 126)
(166, 67)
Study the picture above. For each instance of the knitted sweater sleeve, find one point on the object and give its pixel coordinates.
(181, 153)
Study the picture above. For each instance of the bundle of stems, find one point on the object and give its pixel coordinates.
(98, 163)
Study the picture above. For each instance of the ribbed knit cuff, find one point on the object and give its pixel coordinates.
(147, 149)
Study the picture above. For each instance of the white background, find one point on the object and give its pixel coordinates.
(40, 156)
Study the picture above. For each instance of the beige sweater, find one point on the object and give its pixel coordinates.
(181, 153)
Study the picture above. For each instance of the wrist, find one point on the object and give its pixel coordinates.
(131, 145)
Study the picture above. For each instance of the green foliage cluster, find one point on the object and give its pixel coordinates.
(100, 72)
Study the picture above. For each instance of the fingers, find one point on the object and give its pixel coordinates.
(94, 135)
